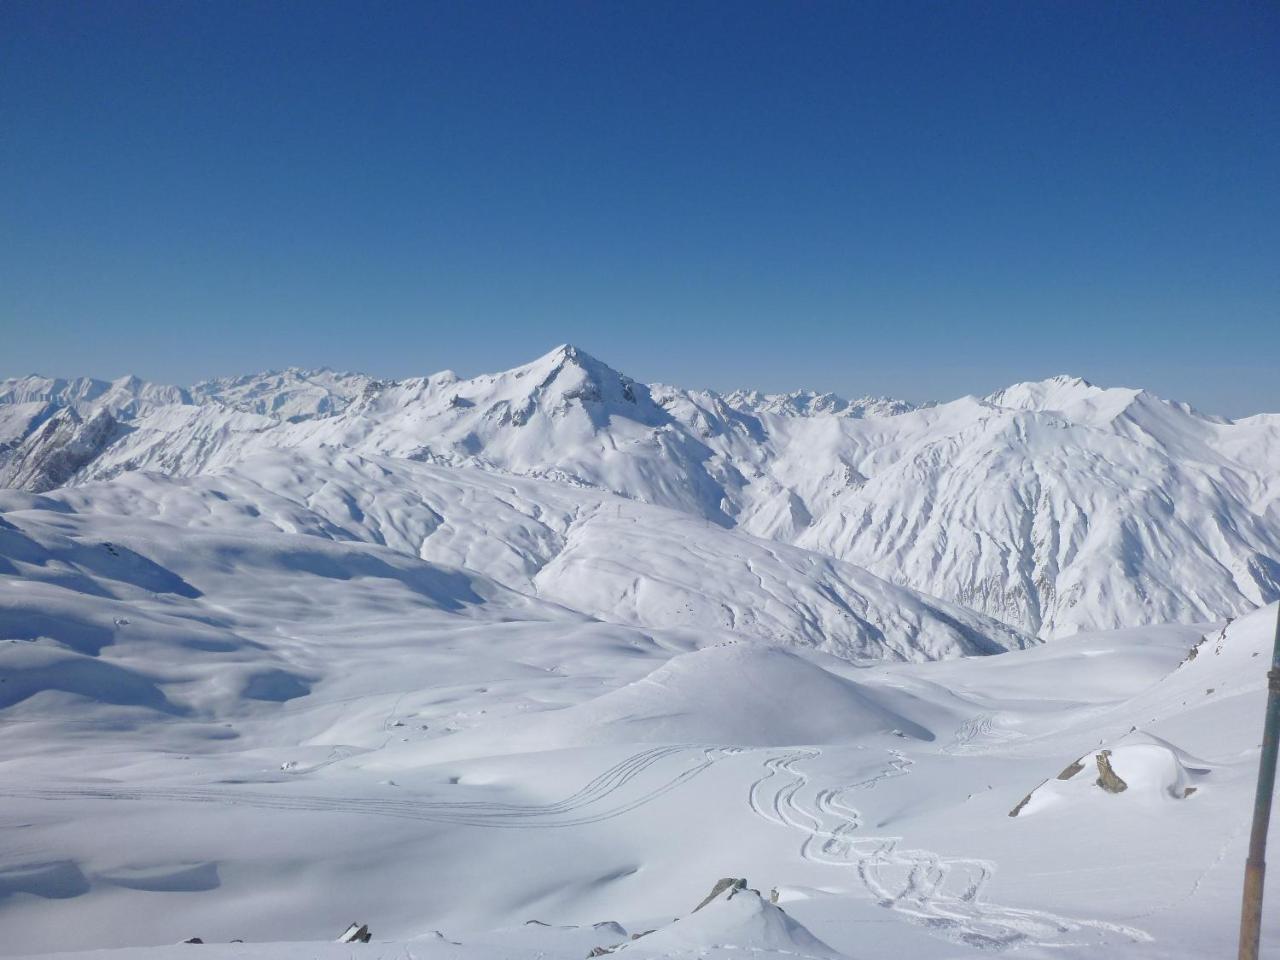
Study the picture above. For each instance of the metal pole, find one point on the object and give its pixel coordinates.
(1255, 866)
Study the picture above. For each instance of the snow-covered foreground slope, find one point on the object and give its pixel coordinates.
(236, 707)
(1053, 506)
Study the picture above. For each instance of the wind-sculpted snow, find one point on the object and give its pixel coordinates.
(136, 616)
(1054, 506)
(699, 696)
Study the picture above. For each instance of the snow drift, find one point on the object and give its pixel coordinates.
(735, 694)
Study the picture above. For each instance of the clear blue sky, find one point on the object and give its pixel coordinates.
(916, 199)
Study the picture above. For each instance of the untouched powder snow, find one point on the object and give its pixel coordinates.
(735, 693)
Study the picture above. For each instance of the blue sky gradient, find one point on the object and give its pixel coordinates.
(921, 200)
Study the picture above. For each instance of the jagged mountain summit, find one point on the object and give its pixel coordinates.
(804, 403)
(293, 394)
(1052, 506)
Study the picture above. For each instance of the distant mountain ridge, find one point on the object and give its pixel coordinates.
(1052, 506)
(804, 403)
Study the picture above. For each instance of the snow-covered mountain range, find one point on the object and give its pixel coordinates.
(518, 666)
(1050, 507)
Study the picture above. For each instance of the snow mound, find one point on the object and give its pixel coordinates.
(733, 694)
(1141, 769)
(736, 919)
(1155, 770)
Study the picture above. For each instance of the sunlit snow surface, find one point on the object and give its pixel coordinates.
(213, 728)
(291, 657)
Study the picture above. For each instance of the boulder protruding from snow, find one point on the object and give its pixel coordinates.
(356, 933)
(732, 884)
(734, 916)
(1142, 767)
(1108, 779)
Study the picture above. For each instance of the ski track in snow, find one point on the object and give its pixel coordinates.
(974, 728)
(978, 735)
(944, 894)
(570, 812)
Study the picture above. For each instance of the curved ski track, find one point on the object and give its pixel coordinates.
(944, 894)
(587, 805)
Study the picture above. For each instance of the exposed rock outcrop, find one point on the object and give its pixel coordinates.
(1108, 779)
(53, 453)
(356, 933)
(728, 883)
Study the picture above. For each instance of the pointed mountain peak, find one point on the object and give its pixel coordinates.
(567, 364)
(569, 352)
(567, 355)
(1067, 380)
(563, 379)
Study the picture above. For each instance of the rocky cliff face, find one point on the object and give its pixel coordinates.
(56, 450)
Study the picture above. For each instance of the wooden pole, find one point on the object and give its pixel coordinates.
(1255, 867)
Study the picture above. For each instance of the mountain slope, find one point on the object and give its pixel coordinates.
(612, 559)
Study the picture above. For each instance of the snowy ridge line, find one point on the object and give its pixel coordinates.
(478, 814)
(943, 894)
